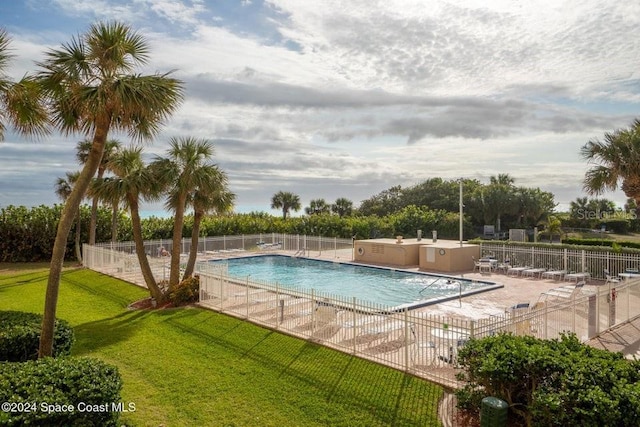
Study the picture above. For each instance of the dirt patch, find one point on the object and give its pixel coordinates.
(147, 304)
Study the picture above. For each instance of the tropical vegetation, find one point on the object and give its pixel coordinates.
(91, 88)
(615, 162)
(551, 382)
(286, 201)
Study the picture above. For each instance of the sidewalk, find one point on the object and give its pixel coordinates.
(624, 338)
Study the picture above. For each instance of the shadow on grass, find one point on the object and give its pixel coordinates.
(99, 284)
(25, 278)
(394, 397)
(92, 336)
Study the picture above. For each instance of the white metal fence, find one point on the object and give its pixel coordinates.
(417, 342)
(571, 260)
(246, 242)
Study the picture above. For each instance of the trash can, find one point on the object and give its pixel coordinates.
(493, 412)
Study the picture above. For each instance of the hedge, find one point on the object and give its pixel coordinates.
(551, 382)
(60, 392)
(20, 336)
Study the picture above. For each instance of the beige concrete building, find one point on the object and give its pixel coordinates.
(445, 256)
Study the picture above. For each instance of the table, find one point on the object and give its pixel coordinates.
(450, 334)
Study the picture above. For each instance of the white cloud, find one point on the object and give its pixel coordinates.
(350, 98)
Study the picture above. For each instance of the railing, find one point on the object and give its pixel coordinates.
(572, 260)
(213, 245)
(417, 342)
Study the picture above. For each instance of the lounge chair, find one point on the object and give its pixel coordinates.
(515, 271)
(554, 274)
(565, 292)
(584, 276)
(532, 272)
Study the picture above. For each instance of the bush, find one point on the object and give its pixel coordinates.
(20, 336)
(551, 382)
(86, 387)
(186, 292)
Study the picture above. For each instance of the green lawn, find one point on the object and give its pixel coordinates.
(189, 366)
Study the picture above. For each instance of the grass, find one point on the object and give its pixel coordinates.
(190, 366)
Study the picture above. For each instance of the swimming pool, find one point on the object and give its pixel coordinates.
(389, 287)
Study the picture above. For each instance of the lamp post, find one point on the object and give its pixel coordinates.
(461, 212)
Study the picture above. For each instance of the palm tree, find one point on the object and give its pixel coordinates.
(83, 148)
(63, 189)
(132, 180)
(21, 103)
(498, 198)
(91, 89)
(617, 160)
(186, 168)
(113, 198)
(342, 207)
(212, 198)
(317, 207)
(286, 201)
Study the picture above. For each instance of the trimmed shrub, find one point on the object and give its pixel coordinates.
(85, 392)
(186, 292)
(551, 382)
(20, 336)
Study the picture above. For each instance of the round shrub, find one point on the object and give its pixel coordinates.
(186, 292)
(20, 336)
(65, 391)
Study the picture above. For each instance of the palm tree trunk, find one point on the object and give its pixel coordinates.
(60, 244)
(193, 251)
(94, 211)
(93, 221)
(78, 231)
(147, 274)
(114, 223)
(176, 248)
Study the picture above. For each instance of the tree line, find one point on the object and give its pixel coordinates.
(500, 203)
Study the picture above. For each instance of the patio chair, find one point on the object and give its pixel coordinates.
(484, 267)
(610, 278)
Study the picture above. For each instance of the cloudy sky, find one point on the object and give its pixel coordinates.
(337, 98)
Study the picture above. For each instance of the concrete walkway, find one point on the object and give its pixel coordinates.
(624, 338)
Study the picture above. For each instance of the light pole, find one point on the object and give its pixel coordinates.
(461, 212)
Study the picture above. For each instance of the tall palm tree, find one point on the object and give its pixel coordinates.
(133, 180)
(214, 197)
(342, 207)
(21, 103)
(286, 201)
(616, 160)
(91, 89)
(113, 198)
(63, 187)
(186, 168)
(317, 207)
(83, 148)
(498, 198)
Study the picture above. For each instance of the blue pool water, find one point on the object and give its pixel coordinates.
(389, 287)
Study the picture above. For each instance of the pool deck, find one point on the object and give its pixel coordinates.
(624, 338)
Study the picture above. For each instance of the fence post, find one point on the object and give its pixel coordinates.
(406, 340)
(246, 293)
(565, 260)
(353, 332)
